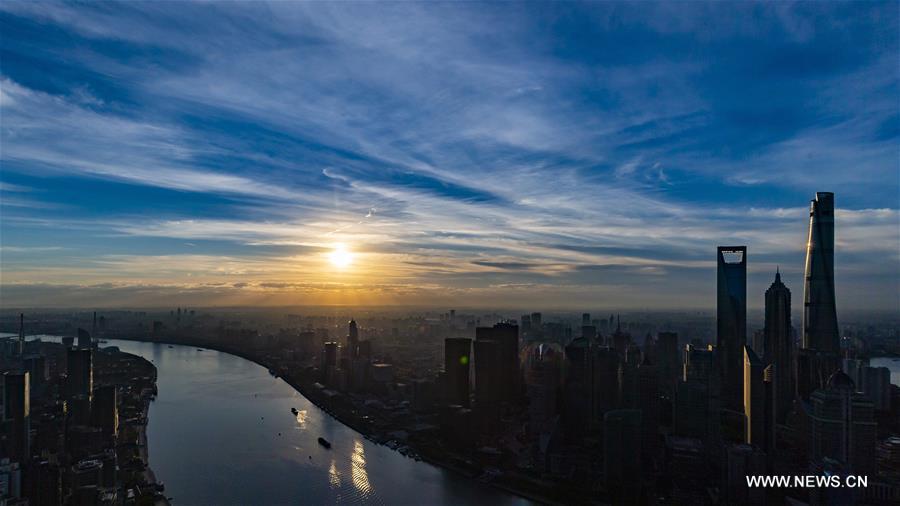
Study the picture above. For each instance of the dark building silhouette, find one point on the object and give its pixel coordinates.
(79, 372)
(648, 403)
(105, 410)
(507, 335)
(577, 390)
(620, 340)
(731, 322)
(17, 411)
(457, 355)
(842, 426)
(543, 376)
(605, 371)
(20, 345)
(622, 455)
(536, 321)
(779, 345)
(820, 327)
(759, 426)
(669, 361)
(352, 339)
(697, 396)
(488, 373)
(84, 338)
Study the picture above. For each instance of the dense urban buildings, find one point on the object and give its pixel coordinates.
(72, 419)
(555, 407)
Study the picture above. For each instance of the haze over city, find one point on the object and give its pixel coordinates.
(468, 154)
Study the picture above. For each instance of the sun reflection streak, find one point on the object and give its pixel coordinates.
(334, 477)
(358, 469)
(301, 418)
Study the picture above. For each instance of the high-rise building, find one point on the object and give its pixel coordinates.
(457, 355)
(20, 345)
(820, 327)
(80, 372)
(525, 323)
(585, 319)
(876, 384)
(84, 338)
(352, 339)
(759, 425)
(622, 455)
(842, 426)
(17, 410)
(620, 340)
(577, 390)
(488, 373)
(648, 403)
(699, 363)
(507, 334)
(697, 396)
(605, 372)
(779, 345)
(588, 332)
(742, 460)
(669, 360)
(105, 409)
(543, 376)
(731, 322)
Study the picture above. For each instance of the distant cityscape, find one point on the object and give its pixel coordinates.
(563, 408)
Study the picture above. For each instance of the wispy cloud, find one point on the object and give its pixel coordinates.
(471, 147)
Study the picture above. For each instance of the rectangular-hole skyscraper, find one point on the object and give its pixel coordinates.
(731, 323)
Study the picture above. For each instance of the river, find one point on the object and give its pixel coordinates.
(221, 432)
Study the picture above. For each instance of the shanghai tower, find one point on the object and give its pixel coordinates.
(820, 328)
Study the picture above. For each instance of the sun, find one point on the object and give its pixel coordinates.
(340, 257)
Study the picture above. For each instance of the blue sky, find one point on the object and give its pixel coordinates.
(534, 154)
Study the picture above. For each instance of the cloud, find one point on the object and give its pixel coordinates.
(579, 146)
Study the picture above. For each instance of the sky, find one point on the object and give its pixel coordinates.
(542, 155)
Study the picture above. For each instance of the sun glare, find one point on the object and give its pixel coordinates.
(340, 257)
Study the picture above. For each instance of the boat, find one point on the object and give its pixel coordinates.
(199, 349)
(170, 346)
(324, 442)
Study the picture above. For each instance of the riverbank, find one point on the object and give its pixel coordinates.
(341, 408)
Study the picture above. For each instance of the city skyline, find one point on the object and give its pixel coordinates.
(546, 156)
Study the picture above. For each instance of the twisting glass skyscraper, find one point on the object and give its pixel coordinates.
(820, 328)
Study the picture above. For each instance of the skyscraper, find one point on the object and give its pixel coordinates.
(488, 377)
(731, 322)
(669, 360)
(842, 425)
(759, 425)
(622, 455)
(84, 338)
(507, 334)
(20, 346)
(352, 339)
(457, 354)
(80, 372)
(820, 328)
(17, 409)
(779, 345)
